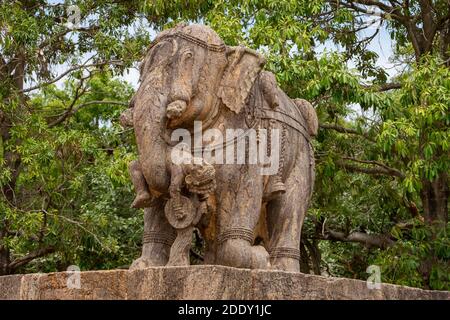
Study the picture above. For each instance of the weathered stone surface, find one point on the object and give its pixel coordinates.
(95, 285)
(196, 282)
(10, 287)
(201, 282)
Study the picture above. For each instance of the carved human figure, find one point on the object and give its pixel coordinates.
(188, 75)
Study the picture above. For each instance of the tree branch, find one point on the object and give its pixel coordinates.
(371, 240)
(71, 111)
(99, 102)
(72, 69)
(78, 93)
(196, 255)
(388, 11)
(372, 162)
(57, 37)
(384, 87)
(381, 169)
(342, 129)
(30, 257)
(378, 4)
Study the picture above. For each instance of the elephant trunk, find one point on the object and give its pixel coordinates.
(179, 97)
(182, 85)
(152, 148)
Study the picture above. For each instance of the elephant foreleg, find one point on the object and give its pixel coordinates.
(158, 237)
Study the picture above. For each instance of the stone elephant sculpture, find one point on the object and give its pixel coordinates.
(247, 219)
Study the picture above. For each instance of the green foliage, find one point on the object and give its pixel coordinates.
(416, 126)
(75, 190)
(405, 262)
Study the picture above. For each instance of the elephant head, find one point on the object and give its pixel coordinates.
(187, 74)
(194, 70)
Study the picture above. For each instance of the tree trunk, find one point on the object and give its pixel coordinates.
(12, 160)
(4, 256)
(434, 195)
(314, 254)
(304, 259)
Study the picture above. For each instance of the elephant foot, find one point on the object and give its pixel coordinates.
(141, 263)
(285, 264)
(240, 253)
(142, 200)
(260, 258)
(153, 255)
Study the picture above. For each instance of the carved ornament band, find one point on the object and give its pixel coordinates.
(282, 252)
(197, 41)
(286, 119)
(236, 233)
(158, 237)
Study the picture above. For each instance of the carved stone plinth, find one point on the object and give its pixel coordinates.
(201, 282)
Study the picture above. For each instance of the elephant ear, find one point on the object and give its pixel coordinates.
(243, 67)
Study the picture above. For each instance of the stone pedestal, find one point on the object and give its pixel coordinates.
(199, 282)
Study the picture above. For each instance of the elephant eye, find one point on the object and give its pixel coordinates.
(186, 61)
(186, 56)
